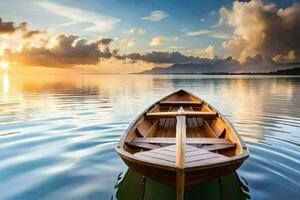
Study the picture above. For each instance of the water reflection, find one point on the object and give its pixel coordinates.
(133, 186)
(57, 132)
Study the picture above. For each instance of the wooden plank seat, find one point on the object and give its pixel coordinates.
(215, 147)
(171, 140)
(183, 103)
(211, 147)
(200, 114)
(143, 145)
(167, 155)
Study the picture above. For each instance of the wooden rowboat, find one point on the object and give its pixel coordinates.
(181, 140)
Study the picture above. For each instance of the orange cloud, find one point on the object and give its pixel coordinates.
(156, 41)
(68, 50)
(262, 28)
(285, 58)
(127, 42)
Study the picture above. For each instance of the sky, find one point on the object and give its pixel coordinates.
(131, 36)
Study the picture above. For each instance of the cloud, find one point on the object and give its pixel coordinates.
(99, 22)
(209, 33)
(14, 31)
(156, 16)
(11, 27)
(176, 47)
(261, 28)
(127, 42)
(163, 57)
(221, 36)
(156, 41)
(208, 52)
(68, 23)
(139, 31)
(197, 33)
(105, 41)
(285, 58)
(65, 50)
(68, 50)
(224, 13)
(30, 34)
(258, 61)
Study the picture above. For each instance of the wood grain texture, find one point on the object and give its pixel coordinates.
(200, 114)
(165, 140)
(180, 153)
(153, 145)
(180, 103)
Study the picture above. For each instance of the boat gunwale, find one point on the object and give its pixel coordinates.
(243, 155)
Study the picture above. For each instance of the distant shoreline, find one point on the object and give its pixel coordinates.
(284, 72)
(217, 74)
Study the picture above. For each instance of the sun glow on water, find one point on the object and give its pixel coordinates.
(4, 65)
(4, 79)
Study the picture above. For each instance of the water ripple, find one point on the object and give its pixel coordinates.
(57, 136)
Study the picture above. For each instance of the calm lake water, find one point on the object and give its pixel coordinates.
(57, 135)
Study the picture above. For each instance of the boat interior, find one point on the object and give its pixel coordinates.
(205, 132)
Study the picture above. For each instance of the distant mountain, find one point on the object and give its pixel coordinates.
(221, 66)
(196, 68)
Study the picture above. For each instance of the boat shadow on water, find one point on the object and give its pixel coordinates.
(134, 186)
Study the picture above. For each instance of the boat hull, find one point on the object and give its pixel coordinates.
(192, 173)
(193, 176)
